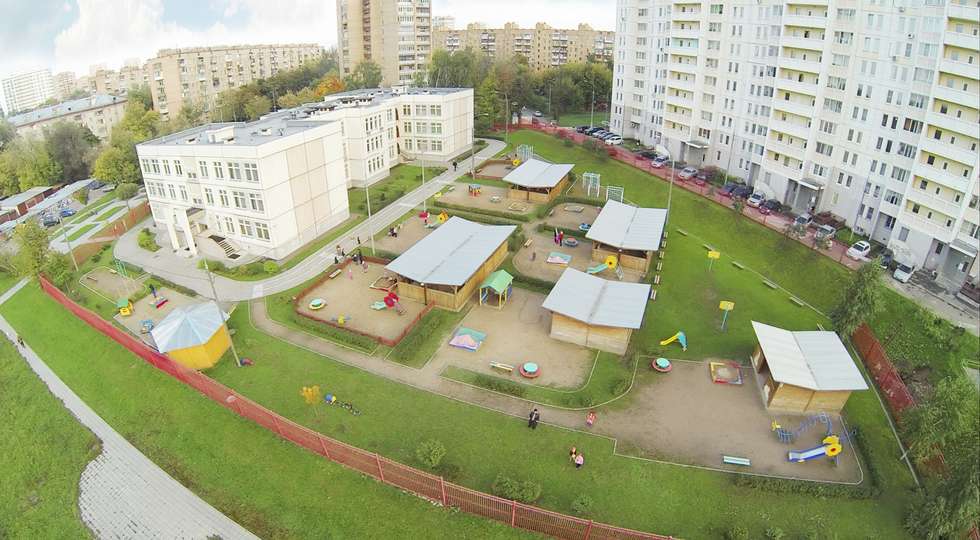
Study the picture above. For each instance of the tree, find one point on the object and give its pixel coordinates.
(7, 132)
(487, 104)
(27, 163)
(81, 196)
(114, 166)
(256, 106)
(290, 99)
(366, 74)
(126, 191)
(140, 94)
(940, 422)
(191, 114)
(565, 96)
(738, 205)
(70, 145)
(139, 121)
(331, 83)
(861, 299)
(32, 248)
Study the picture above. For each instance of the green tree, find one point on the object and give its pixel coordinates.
(565, 96)
(139, 121)
(116, 167)
(191, 114)
(946, 418)
(70, 145)
(366, 74)
(860, 301)
(256, 106)
(7, 132)
(27, 163)
(140, 94)
(487, 104)
(32, 248)
(125, 191)
(81, 196)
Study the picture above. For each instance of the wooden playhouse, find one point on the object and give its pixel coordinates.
(537, 181)
(630, 234)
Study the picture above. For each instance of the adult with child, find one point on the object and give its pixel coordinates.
(533, 419)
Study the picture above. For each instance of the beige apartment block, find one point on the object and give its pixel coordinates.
(110, 81)
(200, 74)
(543, 46)
(395, 34)
(98, 113)
(64, 84)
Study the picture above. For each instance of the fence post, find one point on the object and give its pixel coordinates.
(323, 445)
(275, 422)
(381, 473)
(442, 488)
(588, 531)
(513, 513)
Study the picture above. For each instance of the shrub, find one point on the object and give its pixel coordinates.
(737, 532)
(214, 266)
(250, 269)
(499, 385)
(147, 240)
(524, 491)
(568, 143)
(270, 267)
(81, 196)
(126, 191)
(619, 386)
(775, 533)
(582, 505)
(430, 453)
(59, 270)
(495, 213)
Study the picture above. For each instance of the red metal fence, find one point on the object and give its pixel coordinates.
(425, 485)
(896, 393)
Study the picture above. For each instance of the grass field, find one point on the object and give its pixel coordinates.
(80, 231)
(273, 488)
(403, 178)
(45, 450)
(582, 119)
(93, 207)
(104, 216)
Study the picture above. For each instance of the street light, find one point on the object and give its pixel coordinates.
(473, 149)
(214, 292)
(670, 189)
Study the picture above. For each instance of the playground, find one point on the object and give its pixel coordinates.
(495, 168)
(410, 232)
(684, 417)
(572, 215)
(486, 198)
(533, 260)
(348, 301)
(516, 334)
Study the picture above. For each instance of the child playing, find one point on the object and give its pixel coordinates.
(590, 418)
(579, 461)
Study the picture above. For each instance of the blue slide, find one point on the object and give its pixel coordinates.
(806, 455)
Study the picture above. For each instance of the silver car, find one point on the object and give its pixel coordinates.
(687, 173)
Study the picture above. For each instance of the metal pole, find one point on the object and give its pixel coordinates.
(592, 112)
(367, 196)
(214, 292)
(724, 320)
(70, 254)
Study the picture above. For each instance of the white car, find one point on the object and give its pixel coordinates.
(859, 251)
(614, 140)
(537, 114)
(755, 200)
(903, 272)
(687, 173)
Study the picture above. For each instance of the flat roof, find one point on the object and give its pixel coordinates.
(65, 108)
(271, 127)
(628, 227)
(535, 173)
(452, 253)
(816, 360)
(598, 301)
(14, 200)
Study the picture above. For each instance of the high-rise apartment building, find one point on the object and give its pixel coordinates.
(199, 74)
(543, 46)
(27, 90)
(110, 81)
(443, 22)
(65, 84)
(395, 34)
(99, 113)
(868, 110)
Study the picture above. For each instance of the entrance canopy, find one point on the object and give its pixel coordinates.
(813, 359)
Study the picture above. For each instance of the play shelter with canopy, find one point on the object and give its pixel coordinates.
(496, 289)
(194, 336)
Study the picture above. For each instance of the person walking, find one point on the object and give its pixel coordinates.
(572, 454)
(454, 165)
(561, 237)
(532, 419)
(590, 418)
(153, 290)
(579, 460)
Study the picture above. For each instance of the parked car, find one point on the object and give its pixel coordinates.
(886, 258)
(96, 185)
(687, 173)
(538, 114)
(803, 220)
(903, 272)
(770, 206)
(66, 212)
(608, 135)
(755, 200)
(727, 189)
(825, 232)
(581, 129)
(701, 178)
(741, 192)
(659, 162)
(598, 133)
(859, 251)
(49, 220)
(616, 139)
(649, 154)
(593, 130)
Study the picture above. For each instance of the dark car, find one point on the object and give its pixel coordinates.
(592, 130)
(770, 206)
(96, 185)
(581, 129)
(49, 220)
(886, 256)
(648, 154)
(727, 189)
(66, 212)
(741, 192)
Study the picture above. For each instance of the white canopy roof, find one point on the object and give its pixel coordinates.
(535, 173)
(597, 301)
(188, 326)
(452, 253)
(813, 359)
(628, 227)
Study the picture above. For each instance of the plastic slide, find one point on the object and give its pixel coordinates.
(806, 455)
(599, 268)
(679, 337)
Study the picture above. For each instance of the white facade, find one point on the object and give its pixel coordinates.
(866, 110)
(274, 185)
(99, 113)
(26, 90)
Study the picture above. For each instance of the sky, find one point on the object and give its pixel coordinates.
(75, 34)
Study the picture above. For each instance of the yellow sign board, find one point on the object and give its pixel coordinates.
(714, 254)
(725, 305)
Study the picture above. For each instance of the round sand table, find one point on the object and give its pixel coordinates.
(530, 370)
(317, 304)
(662, 365)
(571, 242)
(584, 227)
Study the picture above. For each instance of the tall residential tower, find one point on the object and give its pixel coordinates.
(395, 34)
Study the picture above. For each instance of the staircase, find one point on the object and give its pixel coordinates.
(225, 246)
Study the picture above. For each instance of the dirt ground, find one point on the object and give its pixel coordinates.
(111, 285)
(683, 417)
(349, 294)
(516, 334)
(460, 195)
(144, 309)
(412, 230)
(495, 170)
(561, 217)
(543, 244)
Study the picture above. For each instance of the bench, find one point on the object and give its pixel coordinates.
(335, 273)
(656, 279)
(796, 301)
(653, 295)
(737, 265)
(528, 243)
(660, 266)
(732, 460)
(769, 284)
(502, 367)
(682, 231)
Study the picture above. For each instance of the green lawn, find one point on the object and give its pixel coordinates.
(80, 231)
(403, 178)
(582, 119)
(273, 488)
(92, 207)
(44, 451)
(493, 182)
(104, 216)
(421, 343)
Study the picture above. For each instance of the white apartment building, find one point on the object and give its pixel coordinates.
(273, 185)
(395, 34)
(27, 90)
(868, 110)
(99, 113)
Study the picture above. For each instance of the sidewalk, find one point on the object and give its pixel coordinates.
(122, 493)
(184, 272)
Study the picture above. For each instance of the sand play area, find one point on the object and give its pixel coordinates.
(490, 198)
(516, 334)
(350, 295)
(533, 260)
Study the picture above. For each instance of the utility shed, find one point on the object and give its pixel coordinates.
(804, 372)
(194, 335)
(537, 181)
(446, 267)
(591, 311)
(629, 233)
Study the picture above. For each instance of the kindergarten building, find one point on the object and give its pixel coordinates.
(804, 372)
(594, 312)
(630, 234)
(446, 267)
(537, 181)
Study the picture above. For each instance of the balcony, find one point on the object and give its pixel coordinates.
(785, 149)
(957, 183)
(934, 202)
(789, 128)
(804, 21)
(682, 51)
(966, 239)
(953, 95)
(794, 85)
(791, 172)
(967, 71)
(946, 121)
(683, 67)
(963, 11)
(682, 101)
(795, 107)
(963, 40)
(688, 15)
(681, 84)
(685, 119)
(798, 64)
(920, 223)
(954, 152)
(892, 209)
(686, 33)
(796, 42)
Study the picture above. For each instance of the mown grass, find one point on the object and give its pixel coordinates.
(93, 207)
(424, 340)
(104, 216)
(80, 231)
(582, 119)
(403, 179)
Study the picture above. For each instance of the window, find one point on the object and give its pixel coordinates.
(245, 227)
(155, 165)
(436, 128)
(170, 189)
(435, 110)
(203, 167)
(239, 197)
(209, 196)
(178, 168)
(251, 172)
(166, 167)
(229, 225)
(223, 197)
(219, 172)
(420, 110)
(261, 230)
(903, 234)
(255, 202)
(234, 170)
(183, 192)
(145, 165)
(406, 110)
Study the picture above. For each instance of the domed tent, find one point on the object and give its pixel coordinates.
(194, 336)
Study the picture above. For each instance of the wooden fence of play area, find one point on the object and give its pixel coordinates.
(384, 470)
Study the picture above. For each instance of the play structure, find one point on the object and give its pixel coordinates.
(390, 301)
(725, 372)
(611, 263)
(530, 370)
(679, 337)
(194, 336)
(524, 153)
(787, 436)
(475, 190)
(468, 339)
(160, 301)
(341, 320)
(124, 306)
(499, 286)
(584, 227)
(384, 283)
(830, 446)
(556, 257)
(317, 304)
(592, 183)
(574, 208)
(661, 365)
(570, 242)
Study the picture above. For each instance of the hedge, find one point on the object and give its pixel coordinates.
(545, 228)
(495, 213)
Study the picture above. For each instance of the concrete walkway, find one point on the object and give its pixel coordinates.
(184, 272)
(122, 493)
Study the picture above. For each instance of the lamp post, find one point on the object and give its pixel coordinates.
(473, 150)
(367, 197)
(214, 292)
(592, 111)
(670, 189)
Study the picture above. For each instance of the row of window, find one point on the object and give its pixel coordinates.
(248, 228)
(423, 128)
(422, 110)
(167, 191)
(233, 170)
(422, 145)
(242, 200)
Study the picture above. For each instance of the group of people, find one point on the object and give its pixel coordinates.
(574, 455)
(559, 237)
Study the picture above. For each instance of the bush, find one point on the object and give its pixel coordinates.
(737, 532)
(430, 453)
(499, 385)
(568, 143)
(81, 196)
(775, 533)
(582, 505)
(270, 267)
(147, 240)
(124, 192)
(495, 213)
(524, 491)
(214, 266)
(59, 270)
(251, 269)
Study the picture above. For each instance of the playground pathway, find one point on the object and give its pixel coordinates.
(122, 493)
(184, 272)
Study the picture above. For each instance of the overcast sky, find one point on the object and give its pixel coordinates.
(75, 34)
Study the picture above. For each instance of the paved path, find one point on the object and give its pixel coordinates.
(185, 272)
(122, 493)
